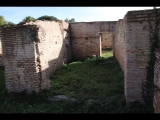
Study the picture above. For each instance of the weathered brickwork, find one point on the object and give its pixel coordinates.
(35, 50)
(156, 100)
(137, 55)
(32, 52)
(86, 38)
(133, 55)
(52, 47)
(1, 58)
(107, 40)
(0, 47)
(119, 43)
(19, 59)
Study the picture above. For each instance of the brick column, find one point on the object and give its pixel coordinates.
(21, 70)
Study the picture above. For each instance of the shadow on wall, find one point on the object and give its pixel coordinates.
(29, 62)
(64, 57)
(53, 55)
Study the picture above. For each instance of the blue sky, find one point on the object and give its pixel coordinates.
(80, 14)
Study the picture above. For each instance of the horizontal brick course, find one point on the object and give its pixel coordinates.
(88, 38)
(30, 54)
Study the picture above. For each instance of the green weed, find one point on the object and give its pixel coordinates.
(97, 83)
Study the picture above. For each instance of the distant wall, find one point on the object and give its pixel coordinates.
(107, 40)
(32, 52)
(86, 38)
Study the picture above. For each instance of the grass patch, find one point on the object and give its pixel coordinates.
(97, 83)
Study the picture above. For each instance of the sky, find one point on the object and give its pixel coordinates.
(80, 14)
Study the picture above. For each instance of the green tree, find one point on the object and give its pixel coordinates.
(8, 23)
(66, 20)
(72, 20)
(28, 19)
(69, 20)
(46, 17)
(2, 21)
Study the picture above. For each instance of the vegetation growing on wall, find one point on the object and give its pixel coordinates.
(148, 87)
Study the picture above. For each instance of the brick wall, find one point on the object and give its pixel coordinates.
(53, 48)
(119, 43)
(107, 40)
(85, 37)
(0, 47)
(19, 58)
(137, 50)
(1, 58)
(156, 100)
(32, 52)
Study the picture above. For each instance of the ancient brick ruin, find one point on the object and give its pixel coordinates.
(35, 50)
(132, 51)
(32, 52)
(89, 38)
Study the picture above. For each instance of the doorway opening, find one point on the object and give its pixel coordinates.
(106, 42)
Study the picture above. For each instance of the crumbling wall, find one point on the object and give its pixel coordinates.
(119, 43)
(67, 42)
(85, 37)
(18, 51)
(54, 46)
(32, 52)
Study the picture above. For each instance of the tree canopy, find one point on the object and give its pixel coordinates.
(2, 21)
(46, 17)
(70, 20)
(28, 19)
(8, 23)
